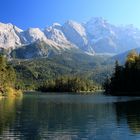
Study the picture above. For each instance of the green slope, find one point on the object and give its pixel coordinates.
(34, 72)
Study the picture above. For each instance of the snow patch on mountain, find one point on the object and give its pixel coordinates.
(95, 36)
(32, 35)
(9, 36)
(56, 34)
(75, 33)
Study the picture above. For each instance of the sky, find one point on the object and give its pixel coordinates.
(42, 13)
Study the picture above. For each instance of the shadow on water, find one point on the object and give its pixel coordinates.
(129, 111)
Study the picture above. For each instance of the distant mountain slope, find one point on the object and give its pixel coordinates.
(41, 49)
(95, 36)
(37, 70)
(122, 56)
(34, 50)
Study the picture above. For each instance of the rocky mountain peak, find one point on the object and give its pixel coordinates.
(97, 35)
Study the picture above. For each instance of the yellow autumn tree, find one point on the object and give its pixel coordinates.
(132, 56)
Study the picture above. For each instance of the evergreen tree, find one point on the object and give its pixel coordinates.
(125, 79)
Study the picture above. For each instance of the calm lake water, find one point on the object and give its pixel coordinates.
(70, 117)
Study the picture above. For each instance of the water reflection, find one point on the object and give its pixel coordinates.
(130, 111)
(8, 111)
(50, 120)
(70, 118)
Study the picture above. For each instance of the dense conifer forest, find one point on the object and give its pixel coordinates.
(39, 73)
(125, 80)
(58, 74)
(69, 84)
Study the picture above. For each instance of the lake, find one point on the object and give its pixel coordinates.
(70, 117)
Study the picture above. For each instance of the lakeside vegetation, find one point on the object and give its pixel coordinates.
(69, 84)
(56, 74)
(33, 74)
(125, 80)
(7, 79)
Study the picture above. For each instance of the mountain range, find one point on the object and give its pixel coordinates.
(97, 36)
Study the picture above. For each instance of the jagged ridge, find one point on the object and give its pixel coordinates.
(95, 36)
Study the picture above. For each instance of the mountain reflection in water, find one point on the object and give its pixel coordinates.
(70, 117)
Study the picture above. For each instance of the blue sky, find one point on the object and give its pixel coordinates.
(41, 13)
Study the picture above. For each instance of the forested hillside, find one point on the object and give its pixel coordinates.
(125, 80)
(34, 72)
(7, 79)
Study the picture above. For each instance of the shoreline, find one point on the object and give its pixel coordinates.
(72, 93)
